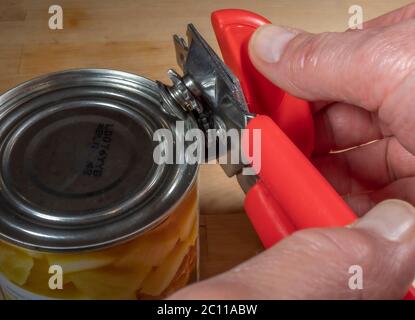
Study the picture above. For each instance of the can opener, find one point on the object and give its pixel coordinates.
(289, 193)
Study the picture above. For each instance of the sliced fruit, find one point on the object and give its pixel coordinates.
(194, 233)
(153, 247)
(39, 278)
(148, 250)
(38, 283)
(109, 283)
(15, 264)
(168, 227)
(186, 221)
(33, 254)
(80, 262)
(159, 279)
(177, 284)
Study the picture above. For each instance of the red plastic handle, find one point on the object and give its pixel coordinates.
(267, 217)
(291, 194)
(293, 182)
(286, 173)
(233, 30)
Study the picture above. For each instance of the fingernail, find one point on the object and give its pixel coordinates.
(269, 42)
(392, 219)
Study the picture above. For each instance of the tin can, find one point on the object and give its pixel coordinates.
(85, 212)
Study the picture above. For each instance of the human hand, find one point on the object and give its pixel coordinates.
(362, 84)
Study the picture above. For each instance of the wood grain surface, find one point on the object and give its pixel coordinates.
(136, 36)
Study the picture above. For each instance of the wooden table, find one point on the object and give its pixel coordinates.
(136, 36)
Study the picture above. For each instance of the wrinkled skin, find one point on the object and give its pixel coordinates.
(362, 84)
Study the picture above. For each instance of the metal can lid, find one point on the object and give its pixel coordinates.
(77, 169)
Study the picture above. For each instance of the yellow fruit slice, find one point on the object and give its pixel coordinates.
(15, 264)
(159, 279)
(109, 283)
(154, 246)
(33, 254)
(168, 228)
(186, 221)
(148, 250)
(194, 233)
(80, 262)
(38, 283)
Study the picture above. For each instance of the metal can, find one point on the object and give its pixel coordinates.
(81, 197)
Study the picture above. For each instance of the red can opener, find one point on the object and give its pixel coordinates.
(288, 193)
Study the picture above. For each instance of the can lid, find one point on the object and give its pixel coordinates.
(77, 169)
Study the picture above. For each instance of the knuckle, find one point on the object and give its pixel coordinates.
(310, 52)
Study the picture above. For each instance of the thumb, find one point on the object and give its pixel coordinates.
(372, 68)
(320, 263)
(335, 66)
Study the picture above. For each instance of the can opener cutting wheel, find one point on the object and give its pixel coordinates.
(289, 193)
